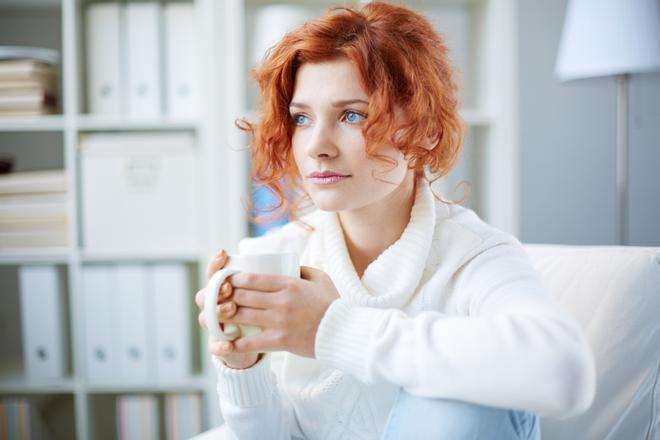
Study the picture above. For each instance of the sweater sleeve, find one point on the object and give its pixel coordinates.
(251, 403)
(512, 348)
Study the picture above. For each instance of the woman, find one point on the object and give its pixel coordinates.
(412, 316)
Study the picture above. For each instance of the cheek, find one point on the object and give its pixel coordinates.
(390, 161)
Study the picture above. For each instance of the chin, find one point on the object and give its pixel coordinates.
(329, 203)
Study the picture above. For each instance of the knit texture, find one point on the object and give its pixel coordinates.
(453, 309)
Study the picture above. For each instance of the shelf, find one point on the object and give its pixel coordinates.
(88, 257)
(124, 123)
(14, 381)
(28, 386)
(195, 383)
(37, 255)
(32, 123)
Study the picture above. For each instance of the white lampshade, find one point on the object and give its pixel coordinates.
(609, 37)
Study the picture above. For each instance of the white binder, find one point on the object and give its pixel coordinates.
(99, 288)
(43, 307)
(133, 323)
(143, 59)
(172, 301)
(104, 85)
(181, 60)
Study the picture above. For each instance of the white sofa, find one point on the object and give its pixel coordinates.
(614, 292)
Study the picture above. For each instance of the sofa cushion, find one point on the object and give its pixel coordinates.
(614, 292)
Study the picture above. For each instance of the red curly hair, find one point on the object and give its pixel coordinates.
(402, 61)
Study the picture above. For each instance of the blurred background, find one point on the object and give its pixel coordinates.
(122, 173)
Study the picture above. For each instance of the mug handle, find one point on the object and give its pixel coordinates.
(231, 331)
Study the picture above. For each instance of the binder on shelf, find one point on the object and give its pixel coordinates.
(98, 291)
(181, 60)
(135, 360)
(171, 304)
(137, 417)
(143, 59)
(183, 416)
(151, 183)
(105, 84)
(43, 321)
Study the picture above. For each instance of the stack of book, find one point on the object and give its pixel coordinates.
(138, 416)
(33, 211)
(28, 81)
(20, 419)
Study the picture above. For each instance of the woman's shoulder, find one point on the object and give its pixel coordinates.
(460, 234)
(290, 237)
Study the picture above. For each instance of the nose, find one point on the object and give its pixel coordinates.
(321, 143)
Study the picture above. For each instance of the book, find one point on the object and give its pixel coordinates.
(34, 225)
(183, 416)
(41, 54)
(25, 69)
(18, 240)
(137, 417)
(48, 84)
(28, 112)
(21, 419)
(33, 181)
(32, 99)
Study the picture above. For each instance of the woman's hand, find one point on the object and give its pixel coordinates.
(288, 309)
(223, 349)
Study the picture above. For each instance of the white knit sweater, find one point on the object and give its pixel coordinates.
(453, 309)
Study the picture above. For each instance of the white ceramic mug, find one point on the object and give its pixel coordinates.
(281, 264)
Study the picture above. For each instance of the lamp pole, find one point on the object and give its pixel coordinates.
(622, 155)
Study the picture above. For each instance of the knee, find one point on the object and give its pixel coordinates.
(443, 418)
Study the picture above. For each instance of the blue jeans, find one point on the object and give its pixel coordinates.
(421, 418)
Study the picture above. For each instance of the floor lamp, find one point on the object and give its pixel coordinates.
(611, 38)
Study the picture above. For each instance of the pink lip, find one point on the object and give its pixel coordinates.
(326, 174)
(329, 180)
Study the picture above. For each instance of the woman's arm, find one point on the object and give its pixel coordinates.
(252, 405)
(514, 349)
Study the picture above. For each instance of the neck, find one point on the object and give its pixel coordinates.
(370, 230)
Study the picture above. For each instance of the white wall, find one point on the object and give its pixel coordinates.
(567, 134)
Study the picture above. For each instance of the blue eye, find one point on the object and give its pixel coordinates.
(354, 117)
(299, 119)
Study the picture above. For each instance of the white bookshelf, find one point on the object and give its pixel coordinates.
(224, 39)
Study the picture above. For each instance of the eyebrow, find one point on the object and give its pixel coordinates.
(334, 104)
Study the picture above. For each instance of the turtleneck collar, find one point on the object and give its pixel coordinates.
(391, 279)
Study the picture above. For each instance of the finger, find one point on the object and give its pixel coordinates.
(257, 317)
(258, 342)
(225, 291)
(308, 273)
(255, 299)
(265, 282)
(218, 347)
(199, 298)
(226, 311)
(218, 262)
(202, 320)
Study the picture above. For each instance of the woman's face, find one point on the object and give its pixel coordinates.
(328, 111)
